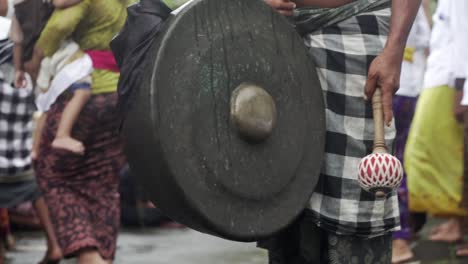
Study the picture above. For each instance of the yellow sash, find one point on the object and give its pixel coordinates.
(409, 54)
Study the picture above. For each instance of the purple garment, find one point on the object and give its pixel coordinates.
(403, 108)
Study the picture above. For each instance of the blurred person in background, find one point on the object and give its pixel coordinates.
(17, 181)
(404, 103)
(461, 109)
(82, 191)
(434, 151)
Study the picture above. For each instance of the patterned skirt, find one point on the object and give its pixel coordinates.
(82, 191)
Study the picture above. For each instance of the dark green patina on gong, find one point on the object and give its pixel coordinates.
(227, 131)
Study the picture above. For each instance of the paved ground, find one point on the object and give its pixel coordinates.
(155, 246)
(159, 246)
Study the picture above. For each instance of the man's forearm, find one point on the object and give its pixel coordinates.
(403, 15)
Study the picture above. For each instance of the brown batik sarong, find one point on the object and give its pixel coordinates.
(82, 191)
(4, 224)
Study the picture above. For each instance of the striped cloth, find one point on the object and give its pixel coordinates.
(6, 51)
(343, 53)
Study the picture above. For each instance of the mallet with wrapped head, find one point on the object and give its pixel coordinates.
(379, 173)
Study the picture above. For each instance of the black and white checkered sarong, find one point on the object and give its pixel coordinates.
(16, 111)
(343, 53)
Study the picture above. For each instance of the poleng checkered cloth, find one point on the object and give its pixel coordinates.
(16, 110)
(343, 53)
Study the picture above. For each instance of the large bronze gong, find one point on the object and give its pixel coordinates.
(227, 131)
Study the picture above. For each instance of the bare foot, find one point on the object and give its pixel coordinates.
(145, 204)
(462, 251)
(150, 205)
(443, 227)
(10, 242)
(172, 225)
(449, 232)
(401, 251)
(52, 256)
(69, 144)
(33, 155)
(91, 256)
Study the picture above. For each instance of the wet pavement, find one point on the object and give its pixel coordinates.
(154, 246)
(185, 246)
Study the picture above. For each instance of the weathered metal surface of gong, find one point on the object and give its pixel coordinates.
(227, 132)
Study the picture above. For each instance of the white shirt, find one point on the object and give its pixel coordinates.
(58, 73)
(462, 49)
(443, 60)
(5, 22)
(461, 46)
(460, 37)
(412, 73)
(5, 25)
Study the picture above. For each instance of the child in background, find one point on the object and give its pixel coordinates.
(68, 69)
(51, 68)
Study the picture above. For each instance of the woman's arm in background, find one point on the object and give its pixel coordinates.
(61, 4)
(3, 7)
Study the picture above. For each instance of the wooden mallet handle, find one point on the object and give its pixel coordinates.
(379, 130)
(379, 172)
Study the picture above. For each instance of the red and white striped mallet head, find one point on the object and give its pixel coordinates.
(379, 173)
